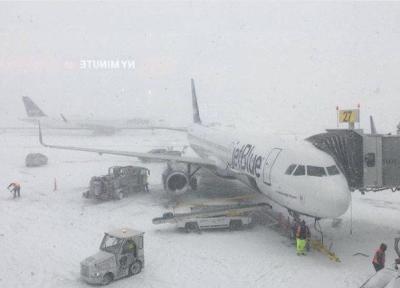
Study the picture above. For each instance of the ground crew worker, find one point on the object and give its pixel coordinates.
(302, 234)
(294, 227)
(130, 247)
(379, 258)
(15, 188)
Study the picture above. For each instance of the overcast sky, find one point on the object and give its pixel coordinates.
(280, 65)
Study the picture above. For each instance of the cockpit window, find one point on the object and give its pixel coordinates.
(290, 169)
(316, 171)
(300, 171)
(333, 170)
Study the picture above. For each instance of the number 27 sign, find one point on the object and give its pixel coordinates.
(349, 116)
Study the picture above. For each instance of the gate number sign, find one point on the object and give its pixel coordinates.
(349, 116)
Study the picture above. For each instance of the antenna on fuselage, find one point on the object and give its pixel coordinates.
(196, 113)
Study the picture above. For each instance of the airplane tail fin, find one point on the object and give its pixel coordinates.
(372, 123)
(32, 110)
(196, 113)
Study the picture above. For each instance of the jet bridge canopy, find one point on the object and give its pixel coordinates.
(369, 161)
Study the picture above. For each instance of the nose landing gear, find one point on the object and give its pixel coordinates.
(318, 228)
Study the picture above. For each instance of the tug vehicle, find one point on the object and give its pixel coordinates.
(121, 255)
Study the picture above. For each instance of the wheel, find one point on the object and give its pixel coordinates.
(167, 215)
(135, 268)
(191, 227)
(119, 195)
(193, 183)
(107, 279)
(235, 225)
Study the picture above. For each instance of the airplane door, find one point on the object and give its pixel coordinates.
(269, 163)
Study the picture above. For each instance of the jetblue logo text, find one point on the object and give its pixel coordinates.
(244, 159)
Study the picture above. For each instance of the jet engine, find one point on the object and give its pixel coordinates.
(178, 181)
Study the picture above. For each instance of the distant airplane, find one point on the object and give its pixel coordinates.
(110, 126)
(295, 175)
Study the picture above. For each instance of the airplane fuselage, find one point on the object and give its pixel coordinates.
(262, 161)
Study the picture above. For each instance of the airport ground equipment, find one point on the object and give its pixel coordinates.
(387, 277)
(121, 254)
(212, 217)
(35, 160)
(370, 162)
(119, 182)
(217, 222)
(286, 226)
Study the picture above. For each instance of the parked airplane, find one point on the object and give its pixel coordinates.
(109, 126)
(295, 175)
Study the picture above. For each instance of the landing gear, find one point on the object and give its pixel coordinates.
(192, 179)
(295, 215)
(318, 228)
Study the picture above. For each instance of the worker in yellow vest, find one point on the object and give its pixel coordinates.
(302, 234)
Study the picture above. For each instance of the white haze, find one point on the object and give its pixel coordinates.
(281, 65)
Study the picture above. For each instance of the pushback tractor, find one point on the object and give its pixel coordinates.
(121, 255)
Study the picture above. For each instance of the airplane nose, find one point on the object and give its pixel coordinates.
(340, 197)
(332, 197)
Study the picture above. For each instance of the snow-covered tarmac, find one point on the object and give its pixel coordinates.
(45, 234)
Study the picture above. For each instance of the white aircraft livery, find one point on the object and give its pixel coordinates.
(293, 174)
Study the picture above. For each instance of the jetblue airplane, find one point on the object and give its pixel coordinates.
(105, 126)
(295, 175)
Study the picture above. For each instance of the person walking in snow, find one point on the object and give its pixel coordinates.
(379, 258)
(302, 234)
(15, 188)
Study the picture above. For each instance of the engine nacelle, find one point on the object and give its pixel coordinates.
(178, 181)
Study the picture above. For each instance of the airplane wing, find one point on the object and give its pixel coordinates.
(150, 156)
(171, 128)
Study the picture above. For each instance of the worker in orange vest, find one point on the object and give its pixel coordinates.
(15, 188)
(379, 258)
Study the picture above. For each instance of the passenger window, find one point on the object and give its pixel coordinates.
(316, 171)
(333, 170)
(290, 169)
(300, 171)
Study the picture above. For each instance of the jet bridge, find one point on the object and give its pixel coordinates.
(370, 162)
